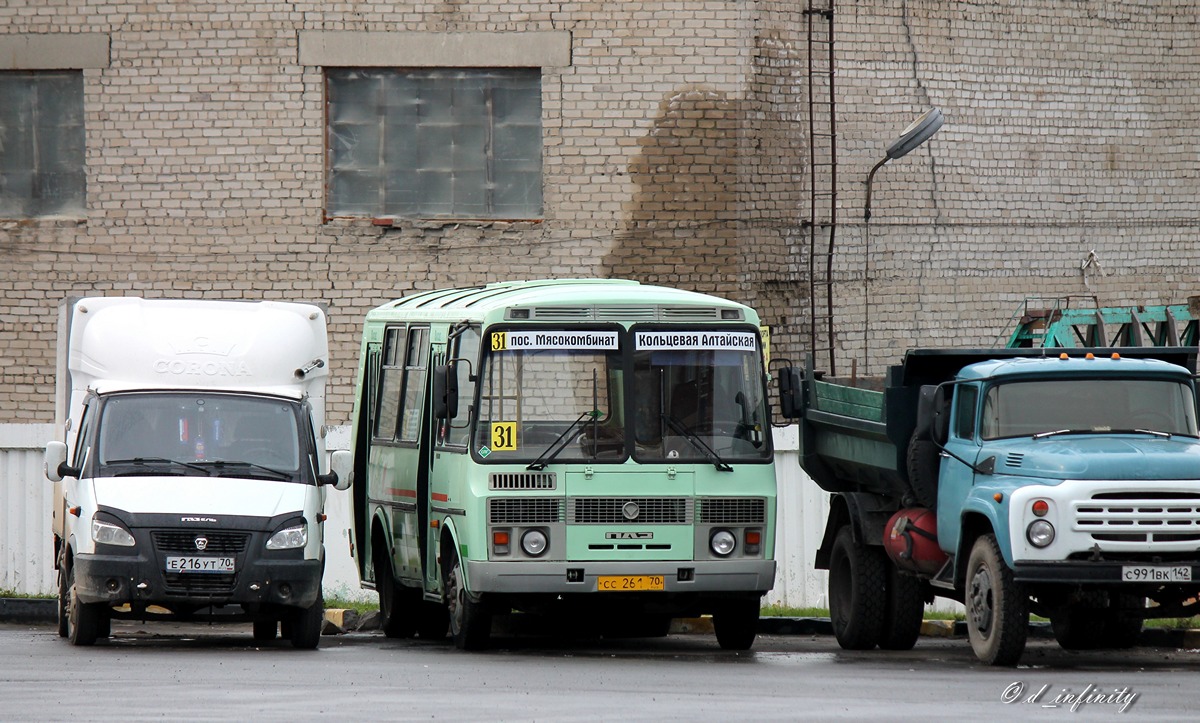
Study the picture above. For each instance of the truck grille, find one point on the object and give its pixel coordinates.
(184, 541)
(732, 510)
(614, 510)
(524, 510)
(1140, 517)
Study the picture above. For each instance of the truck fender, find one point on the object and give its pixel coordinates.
(975, 524)
(867, 515)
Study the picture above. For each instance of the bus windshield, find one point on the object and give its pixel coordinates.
(693, 396)
(551, 395)
(697, 396)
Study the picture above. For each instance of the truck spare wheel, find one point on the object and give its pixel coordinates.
(911, 541)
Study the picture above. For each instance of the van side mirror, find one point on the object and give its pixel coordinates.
(445, 391)
(56, 466)
(340, 467)
(791, 392)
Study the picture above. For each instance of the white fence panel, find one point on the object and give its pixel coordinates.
(26, 545)
(26, 496)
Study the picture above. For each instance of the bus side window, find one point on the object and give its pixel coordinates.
(391, 378)
(466, 352)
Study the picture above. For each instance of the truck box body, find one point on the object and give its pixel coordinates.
(188, 474)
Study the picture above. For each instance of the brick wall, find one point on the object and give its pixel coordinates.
(675, 152)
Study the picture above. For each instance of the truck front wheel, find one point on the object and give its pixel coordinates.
(997, 607)
(857, 592)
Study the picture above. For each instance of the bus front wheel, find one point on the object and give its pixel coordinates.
(470, 620)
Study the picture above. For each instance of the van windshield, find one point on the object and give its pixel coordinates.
(191, 434)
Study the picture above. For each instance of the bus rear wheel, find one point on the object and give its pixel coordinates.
(736, 624)
(470, 620)
(396, 614)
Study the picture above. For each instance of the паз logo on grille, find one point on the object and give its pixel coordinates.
(630, 511)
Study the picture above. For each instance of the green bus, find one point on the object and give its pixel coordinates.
(563, 448)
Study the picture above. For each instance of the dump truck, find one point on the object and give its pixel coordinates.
(1057, 476)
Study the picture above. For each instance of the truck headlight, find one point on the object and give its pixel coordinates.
(106, 533)
(722, 543)
(289, 538)
(1040, 533)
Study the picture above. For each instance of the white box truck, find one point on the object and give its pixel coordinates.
(190, 466)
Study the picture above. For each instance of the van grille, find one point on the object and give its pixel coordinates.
(612, 510)
(733, 510)
(524, 510)
(200, 582)
(184, 541)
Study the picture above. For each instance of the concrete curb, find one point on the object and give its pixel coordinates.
(338, 621)
(28, 610)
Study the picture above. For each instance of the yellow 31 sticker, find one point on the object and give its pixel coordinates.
(499, 341)
(504, 436)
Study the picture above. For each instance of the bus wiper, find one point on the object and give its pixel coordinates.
(143, 461)
(562, 441)
(687, 433)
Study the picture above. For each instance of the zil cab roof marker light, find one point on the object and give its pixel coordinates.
(1090, 356)
(1063, 356)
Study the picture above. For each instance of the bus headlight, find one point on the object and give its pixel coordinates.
(534, 542)
(722, 543)
(1040, 533)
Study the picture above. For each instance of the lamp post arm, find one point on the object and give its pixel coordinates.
(870, 179)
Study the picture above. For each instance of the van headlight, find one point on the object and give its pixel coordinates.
(289, 538)
(107, 533)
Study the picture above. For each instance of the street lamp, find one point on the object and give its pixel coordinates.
(919, 131)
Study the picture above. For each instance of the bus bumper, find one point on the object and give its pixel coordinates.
(585, 577)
